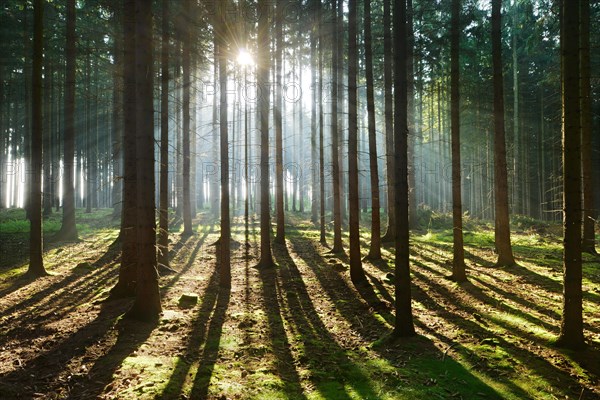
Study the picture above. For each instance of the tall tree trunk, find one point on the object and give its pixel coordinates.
(375, 249)
(571, 329)
(187, 77)
(313, 114)
(68, 230)
(388, 60)
(412, 126)
(36, 263)
(117, 118)
(125, 286)
(404, 322)
(458, 261)
(357, 275)
(589, 208)
(146, 306)
(163, 220)
(335, 133)
(502, 223)
(225, 241)
(266, 257)
(280, 231)
(322, 238)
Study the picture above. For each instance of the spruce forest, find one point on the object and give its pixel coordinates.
(311, 199)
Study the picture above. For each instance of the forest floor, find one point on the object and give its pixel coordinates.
(300, 330)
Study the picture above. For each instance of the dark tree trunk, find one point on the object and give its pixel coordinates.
(589, 208)
(68, 229)
(225, 268)
(36, 263)
(280, 231)
(266, 257)
(375, 249)
(187, 77)
(388, 61)
(571, 328)
(163, 229)
(338, 247)
(458, 261)
(356, 271)
(117, 118)
(502, 223)
(125, 286)
(313, 115)
(404, 321)
(146, 306)
(322, 237)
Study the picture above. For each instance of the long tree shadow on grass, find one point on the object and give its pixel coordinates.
(271, 300)
(417, 360)
(501, 305)
(197, 337)
(61, 297)
(130, 336)
(16, 282)
(329, 366)
(52, 371)
(480, 330)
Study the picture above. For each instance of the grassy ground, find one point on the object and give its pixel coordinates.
(297, 331)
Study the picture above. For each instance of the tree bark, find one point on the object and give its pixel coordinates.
(280, 230)
(357, 275)
(186, 63)
(458, 261)
(163, 219)
(571, 328)
(125, 286)
(36, 263)
(388, 61)
(146, 306)
(589, 207)
(68, 229)
(337, 211)
(224, 244)
(404, 321)
(266, 257)
(375, 249)
(502, 223)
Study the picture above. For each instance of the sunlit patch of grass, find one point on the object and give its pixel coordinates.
(145, 376)
(520, 323)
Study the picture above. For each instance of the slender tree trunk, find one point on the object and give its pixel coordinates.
(322, 237)
(571, 329)
(375, 249)
(47, 192)
(388, 60)
(313, 115)
(163, 220)
(589, 208)
(117, 119)
(458, 261)
(502, 223)
(126, 284)
(266, 258)
(225, 241)
(280, 231)
(146, 306)
(356, 271)
(36, 263)
(404, 321)
(68, 230)
(335, 132)
(412, 126)
(214, 180)
(186, 61)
